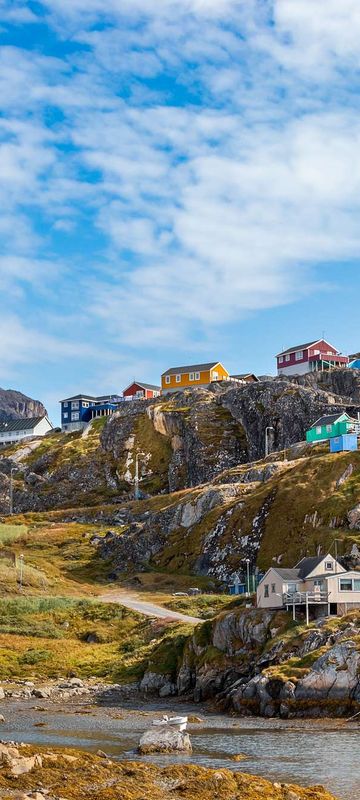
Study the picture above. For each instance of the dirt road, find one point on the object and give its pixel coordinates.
(134, 602)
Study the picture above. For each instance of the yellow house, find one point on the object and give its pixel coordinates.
(176, 379)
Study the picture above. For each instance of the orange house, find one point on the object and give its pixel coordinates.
(192, 377)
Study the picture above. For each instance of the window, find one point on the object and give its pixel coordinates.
(167, 378)
(75, 416)
(197, 376)
(85, 405)
(287, 357)
(74, 405)
(191, 376)
(299, 355)
(65, 405)
(318, 429)
(266, 590)
(328, 428)
(292, 588)
(215, 376)
(329, 565)
(346, 585)
(281, 359)
(273, 588)
(65, 415)
(178, 378)
(356, 584)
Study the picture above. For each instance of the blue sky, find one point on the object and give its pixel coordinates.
(178, 182)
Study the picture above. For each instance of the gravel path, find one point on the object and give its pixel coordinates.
(143, 607)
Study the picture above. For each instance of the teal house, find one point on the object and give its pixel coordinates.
(332, 425)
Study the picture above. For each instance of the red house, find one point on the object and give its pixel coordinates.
(315, 356)
(141, 391)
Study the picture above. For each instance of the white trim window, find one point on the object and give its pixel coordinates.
(346, 584)
(74, 405)
(85, 404)
(178, 378)
(167, 378)
(197, 376)
(65, 405)
(318, 430)
(191, 376)
(328, 428)
(349, 584)
(287, 357)
(299, 355)
(329, 566)
(266, 590)
(65, 415)
(75, 416)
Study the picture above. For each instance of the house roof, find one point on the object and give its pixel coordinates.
(143, 385)
(244, 375)
(307, 565)
(299, 347)
(79, 397)
(288, 574)
(330, 419)
(23, 424)
(191, 368)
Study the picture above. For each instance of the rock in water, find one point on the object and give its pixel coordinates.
(164, 739)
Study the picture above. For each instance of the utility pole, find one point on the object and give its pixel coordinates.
(11, 492)
(267, 431)
(247, 577)
(21, 575)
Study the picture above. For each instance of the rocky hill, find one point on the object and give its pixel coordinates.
(209, 498)
(258, 662)
(15, 405)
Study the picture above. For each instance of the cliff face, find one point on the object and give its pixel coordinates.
(256, 662)
(206, 506)
(15, 405)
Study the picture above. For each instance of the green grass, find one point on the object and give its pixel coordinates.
(54, 636)
(204, 606)
(9, 533)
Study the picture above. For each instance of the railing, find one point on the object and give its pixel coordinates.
(301, 598)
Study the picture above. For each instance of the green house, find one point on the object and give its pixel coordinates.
(332, 425)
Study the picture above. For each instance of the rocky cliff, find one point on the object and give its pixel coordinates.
(258, 662)
(15, 405)
(209, 499)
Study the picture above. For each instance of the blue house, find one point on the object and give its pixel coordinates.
(344, 443)
(78, 410)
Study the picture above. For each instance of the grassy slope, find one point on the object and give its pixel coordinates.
(308, 486)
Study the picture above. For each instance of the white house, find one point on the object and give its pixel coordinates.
(15, 430)
(319, 583)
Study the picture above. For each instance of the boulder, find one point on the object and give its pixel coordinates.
(354, 517)
(43, 692)
(335, 675)
(155, 682)
(164, 739)
(2, 693)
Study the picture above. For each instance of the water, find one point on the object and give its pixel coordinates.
(299, 751)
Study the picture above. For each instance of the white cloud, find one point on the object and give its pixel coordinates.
(216, 190)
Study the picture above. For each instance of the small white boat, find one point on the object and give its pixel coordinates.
(175, 722)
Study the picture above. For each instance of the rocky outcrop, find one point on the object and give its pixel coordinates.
(59, 774)
(163, 739)
(15, 405)
(288, 408)
(248, 661)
